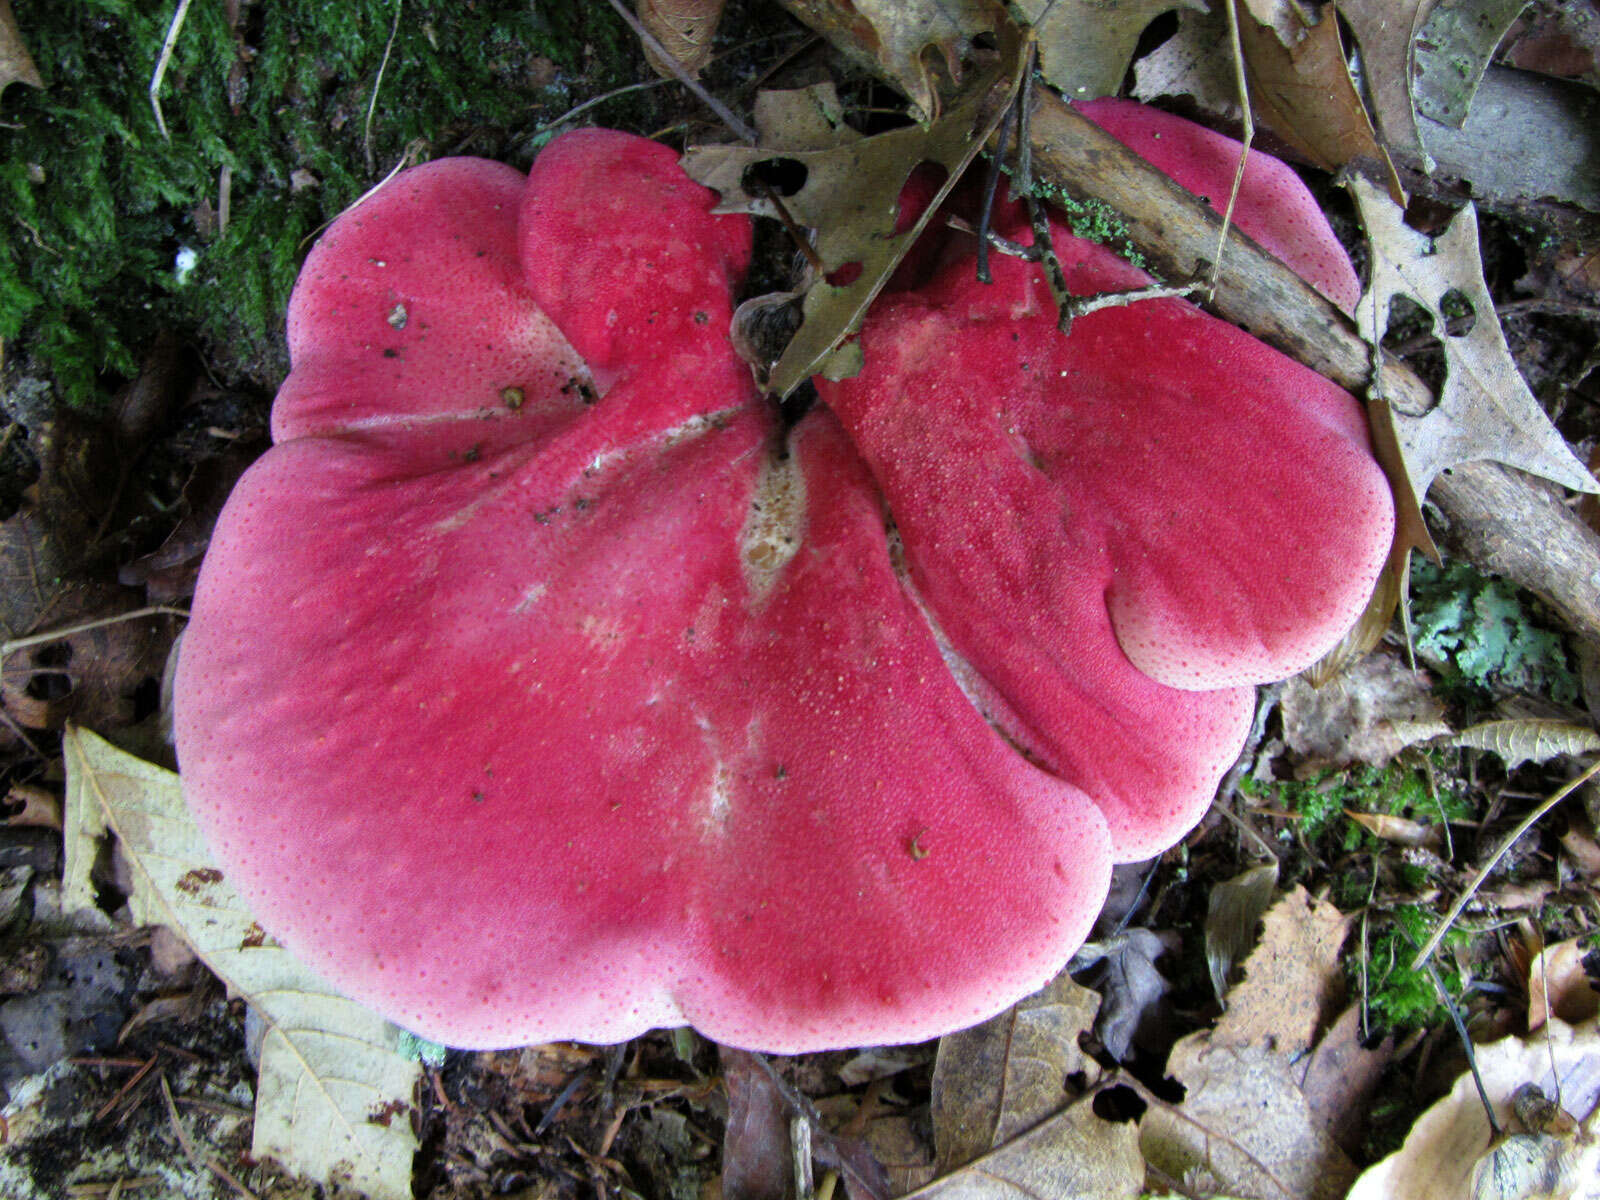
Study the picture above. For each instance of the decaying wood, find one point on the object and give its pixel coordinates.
(1502, 520)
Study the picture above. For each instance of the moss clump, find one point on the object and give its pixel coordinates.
(1399, 789)
(99, 205)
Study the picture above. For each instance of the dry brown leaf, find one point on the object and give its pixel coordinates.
(850, 197)
(1402, 831)
(1485, 410)
(1386, 32)
(1135, 991)
(998, 1079)
(1452, 1140)
(1373, 710)
(1290, 978)
(1073, 1153)
(1085, 46)
(1245, 1123)
(1558, 985)
(1195, 61)
(1453, 50)
(1304, 94)
(1339, 1077)
(1584, 852)
(755, 1148)
(685, 29)
(1529, 740)
(33, 806)
(1563, 41)
(16, 64)
(808, 118)
(906, 34)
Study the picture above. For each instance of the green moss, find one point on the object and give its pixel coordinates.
(1401, 789)
(1398, 997)
(98, 204)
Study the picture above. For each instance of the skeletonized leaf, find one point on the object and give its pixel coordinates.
(1453, 52)
(1386, 32)
(334, 1101)
(1303, 91)
(1235, 907)
(850, 196)
(1485, 410)
(1085, 46)
(1529, 740)
(16, 64)
(995, 1080)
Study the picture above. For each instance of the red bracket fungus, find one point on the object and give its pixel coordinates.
(540, 685)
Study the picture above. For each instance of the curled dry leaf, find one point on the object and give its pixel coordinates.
(685, 29)
(1529, 740)
(1402, 831)
(1559, 986)
(1386, 32)
(1304, 93)
(1236, 905)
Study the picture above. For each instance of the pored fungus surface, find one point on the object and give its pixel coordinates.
(541, 684)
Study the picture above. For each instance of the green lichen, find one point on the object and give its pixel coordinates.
(1093, 220)
(1485, 635)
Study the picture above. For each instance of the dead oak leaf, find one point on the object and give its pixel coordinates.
(1485, 409)
(901, 33)
(850, 196)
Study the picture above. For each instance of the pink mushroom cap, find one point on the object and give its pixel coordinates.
(607, 708)
(1121, 529)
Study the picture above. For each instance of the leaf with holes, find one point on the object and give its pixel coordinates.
(1485, 409)
(334, 1100)
(850, 195)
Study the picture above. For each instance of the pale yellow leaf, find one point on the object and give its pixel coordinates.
(334, 1101)
(1452, 1139)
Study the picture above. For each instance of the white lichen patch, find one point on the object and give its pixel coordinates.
(774, 525)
